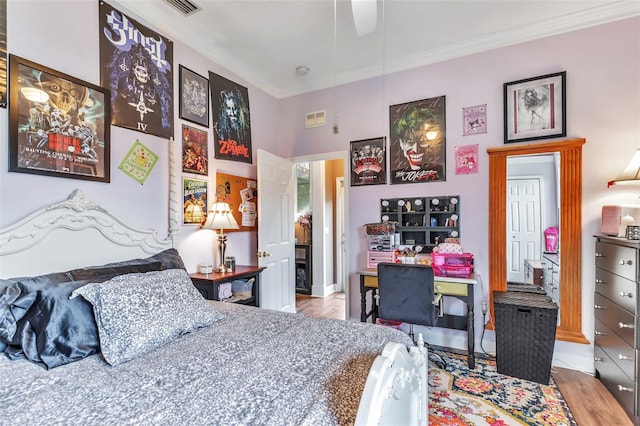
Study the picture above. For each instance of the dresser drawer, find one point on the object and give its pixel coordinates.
(619, 384)
(616, 318)
(621, 291)
(623, 354)
(620, 260)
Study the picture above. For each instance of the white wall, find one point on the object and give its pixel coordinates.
(63, 35)
(603, 106)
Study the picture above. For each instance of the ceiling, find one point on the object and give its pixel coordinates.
(264, 41)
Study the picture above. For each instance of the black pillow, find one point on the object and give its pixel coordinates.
(170, 259)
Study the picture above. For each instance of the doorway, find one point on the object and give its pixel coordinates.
(327, 238)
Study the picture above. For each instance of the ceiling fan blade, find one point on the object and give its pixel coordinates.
(365, 16)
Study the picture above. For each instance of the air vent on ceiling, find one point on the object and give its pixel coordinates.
(315, 119)
(184, 6)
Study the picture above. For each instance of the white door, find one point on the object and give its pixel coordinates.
(524, 224)
(341, 253)
(275, 232)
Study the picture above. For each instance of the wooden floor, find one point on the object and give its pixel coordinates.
(589, 401)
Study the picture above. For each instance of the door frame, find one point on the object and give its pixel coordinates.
(336, 155)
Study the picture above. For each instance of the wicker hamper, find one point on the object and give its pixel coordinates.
(525, 334)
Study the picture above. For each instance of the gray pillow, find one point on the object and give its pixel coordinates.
(136, 313)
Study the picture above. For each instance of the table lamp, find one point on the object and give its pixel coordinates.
(220, 217)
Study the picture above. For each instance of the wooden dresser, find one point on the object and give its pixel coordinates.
(617, 340)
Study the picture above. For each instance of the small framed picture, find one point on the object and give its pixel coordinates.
(194, 97)
(194, 192)
(58, 125)
(369, 162)
(195, 157)
(535, 108)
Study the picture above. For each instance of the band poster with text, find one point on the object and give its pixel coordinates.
(136, 64)
(232, 123)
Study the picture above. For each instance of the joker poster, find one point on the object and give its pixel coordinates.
(136, 64)
(232, 128)
(417, 150)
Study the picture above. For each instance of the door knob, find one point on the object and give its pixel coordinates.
(263, 254)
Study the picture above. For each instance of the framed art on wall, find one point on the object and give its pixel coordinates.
(535, 108)
(369, 162)
(194, 97)
(417, 149)
(58, 124)
(231, 117)
(194, 193)
(195, 158)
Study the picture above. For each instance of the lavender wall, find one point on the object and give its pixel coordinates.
(75, 51)
(603, 106)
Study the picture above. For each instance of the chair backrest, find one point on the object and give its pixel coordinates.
(406, 293)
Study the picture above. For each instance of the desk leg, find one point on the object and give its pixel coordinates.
(470, 338)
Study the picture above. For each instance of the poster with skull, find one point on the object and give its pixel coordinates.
(232, 128)
(58, 124)
(417, 151)
(136, 64)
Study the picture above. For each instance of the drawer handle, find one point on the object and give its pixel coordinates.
(600, 281)
(599, 255)
(624, 357)
(599, 307)
(597, 359)
(624, 389)
(599, 333)
(623, 325)
(625, 262)
(629, 295)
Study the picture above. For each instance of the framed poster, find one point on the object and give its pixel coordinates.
(195, 150)
(242, 195)
(535, 108)
(232, 128)
(58, 124)
(194, 191)
(417, 150)
(136, 64)
(369, 162)
(194, 97)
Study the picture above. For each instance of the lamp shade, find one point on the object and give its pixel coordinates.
(220, 217)
(631, 173)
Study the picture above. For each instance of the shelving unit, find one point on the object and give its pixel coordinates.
(424, 221)
(303, 268)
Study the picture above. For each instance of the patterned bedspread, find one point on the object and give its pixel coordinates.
(256, 367)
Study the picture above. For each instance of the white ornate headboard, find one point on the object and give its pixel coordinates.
(74, 233)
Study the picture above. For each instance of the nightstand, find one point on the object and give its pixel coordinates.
(208, 284)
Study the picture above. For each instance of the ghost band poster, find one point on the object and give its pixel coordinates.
(136, 64)
(417, 150)
(232, 128)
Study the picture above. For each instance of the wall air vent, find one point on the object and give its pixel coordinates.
(315, 119)
(185, 7)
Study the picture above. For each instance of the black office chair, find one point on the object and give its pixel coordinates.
(406, 294)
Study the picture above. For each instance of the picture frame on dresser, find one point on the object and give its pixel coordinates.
(535, 108)
(59, 125)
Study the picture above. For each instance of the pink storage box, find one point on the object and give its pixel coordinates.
(458, 265)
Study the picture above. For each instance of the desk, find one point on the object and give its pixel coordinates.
(208, 284)
(460, 288)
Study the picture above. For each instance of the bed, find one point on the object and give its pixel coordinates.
(130, 340)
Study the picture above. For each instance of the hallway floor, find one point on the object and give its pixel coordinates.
(332, 306)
